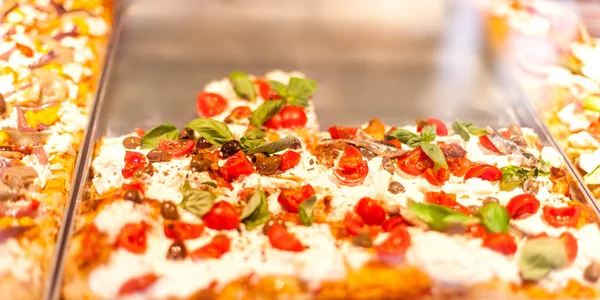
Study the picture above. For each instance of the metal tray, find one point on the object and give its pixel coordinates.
(395, 60)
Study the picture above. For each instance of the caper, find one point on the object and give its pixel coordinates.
(2, 105)
(256, 157)
(489, 200)
(177, 251)
(269, 165)
(388, 165)
(168, 210)
(592, 272)
(199, 163)
(157, 155)
(148, 169)
(396, 187)
(186, 134)
(134, 195)
(230, 148)
(362, 239)
(202, 143)
(132, 142)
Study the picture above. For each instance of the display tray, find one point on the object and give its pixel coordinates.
(370, 59)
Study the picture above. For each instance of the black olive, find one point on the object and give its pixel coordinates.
(388, 165)
(134, 195)
(157, 155)
(148, 169)
(2, 105)
(168, 210)
(256, 157)
(177, 251)
(592, 272)
(269, 165)
(186, 134)
(132, 142)
(362, 239)
(230, 148)
(202, 143)
(396, 187)
(489, 200)
(199, 163)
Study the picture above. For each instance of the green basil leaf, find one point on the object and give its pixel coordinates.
(540, 256)
(210, 183)
(197, 202)
(252, 138)
(494, 217)
(300, 90)
(403, 135)
(253, 204)
(591, 102)
(279, 88)
(428, 133)
(242, 85)
(438, 217)
(274, 147)
(513, 177)
(435, 153)
(260, 215)
(215, 132)
(460, 128)
(477, 131)
(415, 142)
(153, 136)
(305, 209)
(265, 111)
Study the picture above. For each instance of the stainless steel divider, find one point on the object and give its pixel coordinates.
(54, 281)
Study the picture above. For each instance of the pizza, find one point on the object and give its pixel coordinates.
(236, 208)
(50, 58)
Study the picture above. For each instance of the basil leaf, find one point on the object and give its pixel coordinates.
(428, 133)
(299, 91)
(274, 147)
(252, 138)
(540, 256)
(265, 111)
(438, 217)
(591, 102)
(460, 128)
(477, 131)
(305, 209)
(253, 204)
(403, 135)
(215, 132)
(435, 153)
(198, 202)
(494, 217)
(260, 215)
(210, 183)
(279, 88)
(415, 142)
(153, 136)
(513, 177)
(242, 85)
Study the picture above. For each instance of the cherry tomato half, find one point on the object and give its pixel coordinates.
(219, 245)
(447, 200)
(562, 216)
(393, 222)
(341, 132)
(500, 242)
(459, 166)
(522, 206)
(370, 211)
(440, 127)
(290, 199)
(281, 239)
(438, 177)
(138, 284)
(240, 112)
(265, 90)
(392, 141)
(179, 230)
(177, 148)
(351, 169)
(477, 230)
(487, 144)
(210, 104)
(570, 245)
(415, 162)
(396, 244)
(484, 172)
(222, 216)
(133, 238)
(289, 117)
(236, 166)
(133, 162)
(289, 159)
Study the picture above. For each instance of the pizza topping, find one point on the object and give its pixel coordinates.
(436, 177)
(253, 138)
(215, 132)
(269, 165)
(222, 216)
(487, 144)
(453, 150)
(131, 142)
(168, 210)
(236, 165)
(341, 132)
(513, 177)
(202, 143)
(395, 187)
(265, 90)
(494, 217)
(465, 130)
(166, 131)
(393, 222)
(133, 162)
(415, 162)
(571, 246)
(447, 200)
(484, 172)
(158, 155)
(305, 210)
(197, 202)
(177, 251)
(522, 206)
(138, 284)
(440, 127)
(133, 195)
(281, 239)
(540, 256)
(179, 230)
(396, 243)
(242, 85)
(500, 242)
(290, 199)
(289, 141)
(438, 217)
(362, 239)
(219, 245)
(289, 159)
(133, 238)
(592, 272)
(297, 92)
(176, 148)
(266, 112)
(562, 216)
(351, 169)
(370, 211)
(230, 148)
(210, 104)
(289, 117)
(202, 162)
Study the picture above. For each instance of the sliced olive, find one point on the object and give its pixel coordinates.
(157, 155)
(256, 157)
(2, 105)
(146, 170)
(132, 142)
(388, 165)
(362, 239)
(592, 272)
(396, 187)
(177, 251)
(269, 165)
(202, 143)
(489, 200)
(134, 195)
(168, 210)
(199, 163)
(230, 148)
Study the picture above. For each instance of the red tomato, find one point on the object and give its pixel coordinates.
(93, 240)
(177, 148)
(438, 177)
(179, 230)
(281, 239)
(341, 132)
(236, 166)
(222, 216)
(133, 238)
(290, 199)
(392, 223)
(288, 117)
(354, 223)
(500, 242)
(505, 134)
(396, 244)
(140, 132)
(570, 245)
(477, 230)
(484, 172)
(274, 122)
(562, 216)
(447, 200)
(370, 211)
(522, 206)
(459, 166)
(137, 284)
(415, 162)
(539, 235)
(138, 185)
(133, 162)
(210, 104)
(392, 141)
(219, 245)
(440, 127)
(240, 112)
(487, 144)
(265, 90)
(351, 169)
(289, 159)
